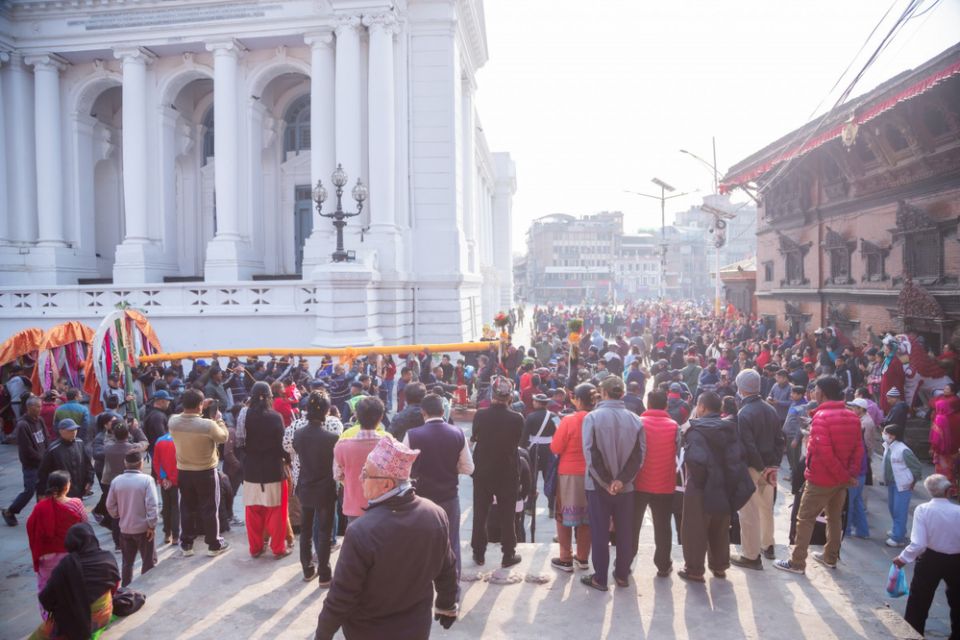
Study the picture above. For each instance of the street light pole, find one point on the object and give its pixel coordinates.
(719, 220)
(663, 197)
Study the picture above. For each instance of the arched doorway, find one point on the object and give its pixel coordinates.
(193, 174)
(287, 206)
(107, 162)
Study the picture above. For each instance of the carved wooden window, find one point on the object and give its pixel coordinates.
(839, 251)
(923, 254)
(768, 271)
(794, 268)
(793, 254)
(875, 261)
(839, 265)
(895, 138)
(935, 122)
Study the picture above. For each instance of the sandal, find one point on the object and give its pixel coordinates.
(686, 576)
(591, 581)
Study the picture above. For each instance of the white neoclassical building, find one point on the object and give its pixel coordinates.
(163, 152)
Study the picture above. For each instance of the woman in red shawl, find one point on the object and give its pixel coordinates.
(48, 524)
(945, 432)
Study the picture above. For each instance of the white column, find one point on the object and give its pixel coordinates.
(19, 132)
(469, 170)
(223, 262)
(347, 98)
(134, 117)
(319, 245)
(4, 204)
(49, 145)
(381, 140)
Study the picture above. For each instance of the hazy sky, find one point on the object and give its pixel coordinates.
(592, 97)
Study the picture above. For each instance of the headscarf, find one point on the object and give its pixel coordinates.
(81, 578)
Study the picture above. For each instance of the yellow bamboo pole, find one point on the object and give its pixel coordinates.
(347, 353)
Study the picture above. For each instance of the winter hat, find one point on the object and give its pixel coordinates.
(893, 393)
(502, 387)
(676, 388)
(748, 382)
(392, 459)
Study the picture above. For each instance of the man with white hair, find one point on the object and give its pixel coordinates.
(935, 545)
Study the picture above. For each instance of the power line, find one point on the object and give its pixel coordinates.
(912, 6)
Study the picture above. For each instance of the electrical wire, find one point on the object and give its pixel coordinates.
(911, 8)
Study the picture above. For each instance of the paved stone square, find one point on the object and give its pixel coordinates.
(235, 596)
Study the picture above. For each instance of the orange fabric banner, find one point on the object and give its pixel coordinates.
(20, 344)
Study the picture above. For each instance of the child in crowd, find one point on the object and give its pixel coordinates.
(901, 471)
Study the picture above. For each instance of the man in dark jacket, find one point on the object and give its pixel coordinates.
(444, 455)
(496, 434)
(717, 483)
(401, 536)
(633, 398)
(31, 444)
(410, 416)
(316, 488)
(155, 422)
(67, 454)
(761, 434)
(538, 429)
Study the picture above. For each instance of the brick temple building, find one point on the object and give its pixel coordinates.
(859, 211)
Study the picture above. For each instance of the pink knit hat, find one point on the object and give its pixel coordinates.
(392, 458)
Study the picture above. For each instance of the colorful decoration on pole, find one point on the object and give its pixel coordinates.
(123, 336)
(63, 353)
(575, 328)
(501, 321)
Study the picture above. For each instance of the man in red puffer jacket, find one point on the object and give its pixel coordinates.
(834, 457)
(657, 480)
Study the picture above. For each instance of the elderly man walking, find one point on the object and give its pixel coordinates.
(31, 445)
(613, 447)
(762, 438)
(834, 458)
(935, 545)
(400, 537)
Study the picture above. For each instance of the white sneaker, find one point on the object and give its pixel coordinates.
(890, 542)
(583, 566)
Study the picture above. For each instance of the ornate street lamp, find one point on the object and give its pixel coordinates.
(339, 217)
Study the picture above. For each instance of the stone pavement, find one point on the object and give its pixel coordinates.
(235, 596)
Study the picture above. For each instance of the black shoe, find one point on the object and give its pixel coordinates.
(510, 560)
(9, 518)
(309, 574)
(552, 514)
(223, 548)
(563, 565)
(746, 563)
(478, 559)
(665, 572)
(769, 554)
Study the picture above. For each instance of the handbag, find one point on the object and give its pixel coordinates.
(127, 601)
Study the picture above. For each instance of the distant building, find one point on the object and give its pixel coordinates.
(573, 260)
(638, 267)
(860, 211)
(519, 278)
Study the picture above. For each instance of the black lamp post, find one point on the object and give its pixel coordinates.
(339, 217)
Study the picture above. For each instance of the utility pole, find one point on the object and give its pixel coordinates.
(663, 197)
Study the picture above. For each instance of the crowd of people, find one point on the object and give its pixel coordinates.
(610, 410)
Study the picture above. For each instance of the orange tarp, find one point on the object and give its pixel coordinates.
(58, 336)
(20, 344)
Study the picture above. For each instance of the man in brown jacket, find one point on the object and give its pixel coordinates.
(196, 440)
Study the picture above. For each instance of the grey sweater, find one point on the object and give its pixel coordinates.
(614, 446)
(133, 500)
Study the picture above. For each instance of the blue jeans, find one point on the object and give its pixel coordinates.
(386, 389)
(899, 503)
(452, 508)
(29, 487)
(601, 507)
(857, 520)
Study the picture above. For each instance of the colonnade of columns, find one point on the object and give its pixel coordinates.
(337, 126)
